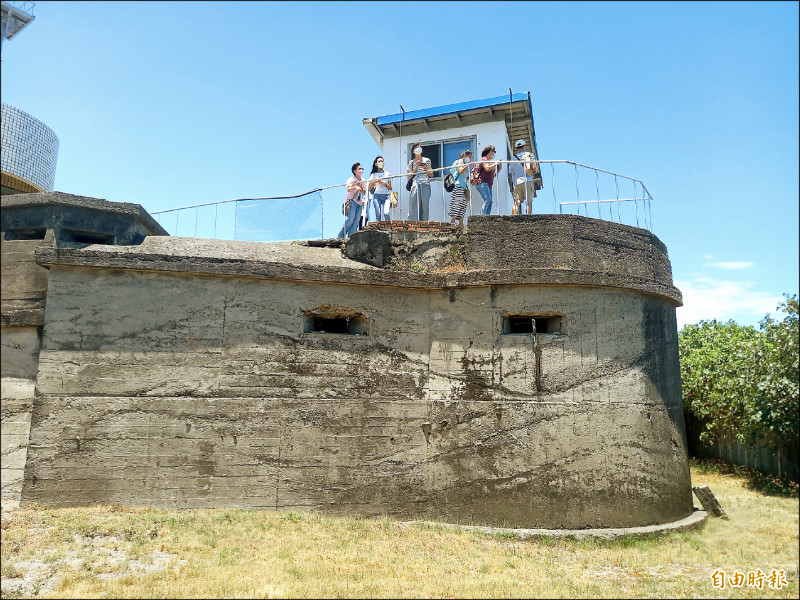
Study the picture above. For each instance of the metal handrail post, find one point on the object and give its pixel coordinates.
(597, 187)
(444, 213)
(235, 218)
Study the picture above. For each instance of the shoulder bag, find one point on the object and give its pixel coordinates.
(449, 180)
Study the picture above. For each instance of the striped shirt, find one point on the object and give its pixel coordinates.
(422, 170)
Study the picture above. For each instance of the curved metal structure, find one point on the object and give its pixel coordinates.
(29, 152)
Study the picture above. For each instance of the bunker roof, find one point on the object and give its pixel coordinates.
(52, 209)
(590, 253)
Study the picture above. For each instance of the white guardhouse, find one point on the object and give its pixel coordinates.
(444, 131)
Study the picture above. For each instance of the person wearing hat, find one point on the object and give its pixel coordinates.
(521, 176)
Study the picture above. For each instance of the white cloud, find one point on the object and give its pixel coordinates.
(708, 298)
(731, 265)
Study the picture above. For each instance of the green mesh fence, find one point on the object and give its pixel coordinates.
(254, 220)
(279, 219)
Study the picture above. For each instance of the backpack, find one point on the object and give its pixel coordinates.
(527, 156)
(475, 173)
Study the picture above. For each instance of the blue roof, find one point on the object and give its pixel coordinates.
(449, 109)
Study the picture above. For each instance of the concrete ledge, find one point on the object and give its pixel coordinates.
(292, 261)
(19, 389)
(25, 317)
(694, 521)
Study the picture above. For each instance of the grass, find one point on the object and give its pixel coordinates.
(135, 552)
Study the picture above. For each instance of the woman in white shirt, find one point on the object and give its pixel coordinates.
(381, 186)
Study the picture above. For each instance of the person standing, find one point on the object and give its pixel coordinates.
(420, 169)
(355, 188)
(521, 174)
(459, 197)
(489, 170)
(380, 186)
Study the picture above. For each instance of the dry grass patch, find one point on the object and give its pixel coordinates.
(113, 552)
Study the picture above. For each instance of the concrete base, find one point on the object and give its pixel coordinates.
(694, 521)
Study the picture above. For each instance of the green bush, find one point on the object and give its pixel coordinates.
(742, 382)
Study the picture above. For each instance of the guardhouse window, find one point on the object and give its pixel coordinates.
(524, 324)
(347, 324)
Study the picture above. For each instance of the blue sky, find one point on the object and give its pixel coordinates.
(172, 104)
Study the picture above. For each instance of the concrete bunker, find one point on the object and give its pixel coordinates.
(195, 373)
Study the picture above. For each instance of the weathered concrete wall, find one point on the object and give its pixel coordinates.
(22, 299)
(28, 222)
(219, 397)
(20, 352)
(16, 402)
(24, 283)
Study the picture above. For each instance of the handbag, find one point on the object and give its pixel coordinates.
(393, 199)
(348, 203)
(449, 182)
(409, 183)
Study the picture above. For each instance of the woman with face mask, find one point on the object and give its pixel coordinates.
(419, 168)
(355, 189)
(459, 198)
(488, 171)
(381, 186)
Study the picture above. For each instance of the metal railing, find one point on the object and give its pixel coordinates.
(637, 188)
(568, 187)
